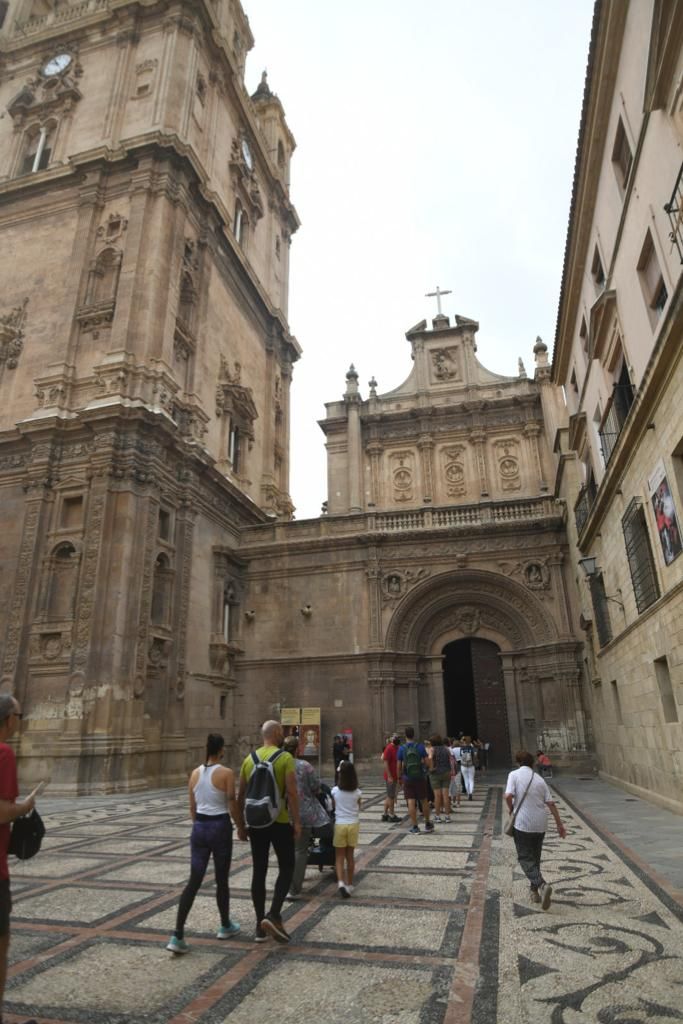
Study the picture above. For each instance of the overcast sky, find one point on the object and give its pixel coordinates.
(435, 145)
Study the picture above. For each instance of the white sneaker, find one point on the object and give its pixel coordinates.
(436, 818)
(447, 818)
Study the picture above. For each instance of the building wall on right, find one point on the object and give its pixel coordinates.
(619, 359)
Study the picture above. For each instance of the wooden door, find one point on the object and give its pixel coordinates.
(489, 696)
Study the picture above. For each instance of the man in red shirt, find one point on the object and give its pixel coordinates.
(389, 757)
(10, 716)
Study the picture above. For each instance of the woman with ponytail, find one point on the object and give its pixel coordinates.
(212, 801)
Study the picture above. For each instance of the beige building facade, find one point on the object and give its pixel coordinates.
(145, 366)
(618, 356)
(434, 592)
(153, 584)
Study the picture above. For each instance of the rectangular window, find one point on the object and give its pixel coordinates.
(616, 413)
(583, 334)
(4, 5)
(597, 272)
(651, 280)
(617, 702)
(622, 157)
(600, 609)
(639, 553)
(234, 448)
(72, 512)
(164, 524)
(666, 692)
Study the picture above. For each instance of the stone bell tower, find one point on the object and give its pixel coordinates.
(145, 367)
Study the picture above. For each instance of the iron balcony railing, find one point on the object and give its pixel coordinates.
(614, 419)
(582, 509)
(674, 208)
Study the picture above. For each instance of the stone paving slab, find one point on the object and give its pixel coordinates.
(439, 930)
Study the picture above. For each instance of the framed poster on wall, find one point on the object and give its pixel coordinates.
(666, 518)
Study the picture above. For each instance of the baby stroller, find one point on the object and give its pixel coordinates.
(321, 850)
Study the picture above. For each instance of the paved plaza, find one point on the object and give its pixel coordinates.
(440, 927)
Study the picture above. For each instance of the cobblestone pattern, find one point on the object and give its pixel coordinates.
(450, 936)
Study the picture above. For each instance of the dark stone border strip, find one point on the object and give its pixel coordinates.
(669, 896)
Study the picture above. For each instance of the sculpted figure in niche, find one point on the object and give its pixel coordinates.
(445, 367)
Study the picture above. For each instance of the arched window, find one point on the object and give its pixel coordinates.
(62, 585)
(161, 592)
(240, 224)
(104, 277)
(38, 144)
(188, 298)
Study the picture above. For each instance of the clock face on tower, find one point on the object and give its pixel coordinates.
(246, 153)
(56, 65)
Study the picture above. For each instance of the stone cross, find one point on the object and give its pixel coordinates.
(437, 295)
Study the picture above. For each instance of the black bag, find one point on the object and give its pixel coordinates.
(26, 836)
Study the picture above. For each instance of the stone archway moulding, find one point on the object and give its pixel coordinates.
(469, 603)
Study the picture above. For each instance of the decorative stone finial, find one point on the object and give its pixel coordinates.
(540, 345)
(352, 380)
(263, 91)
(540, 352)
(372, 384)
(520, 367)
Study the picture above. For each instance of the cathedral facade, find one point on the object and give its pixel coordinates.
(154, 585)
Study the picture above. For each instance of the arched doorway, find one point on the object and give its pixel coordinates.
(474, 695)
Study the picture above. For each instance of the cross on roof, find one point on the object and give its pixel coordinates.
(437, 295)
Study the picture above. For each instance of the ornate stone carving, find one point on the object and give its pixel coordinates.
(445, 364)
(534, 573)
(88, 582)
(468, 620)
(507, 456)
(402, 475)
(234, 399)
(454, 470)
(20, 590)
(398, 581)
(12, 335)
(112, 228)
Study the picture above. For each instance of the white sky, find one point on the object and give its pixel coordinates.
(435, 145)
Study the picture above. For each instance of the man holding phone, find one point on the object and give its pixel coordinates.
(10, 716)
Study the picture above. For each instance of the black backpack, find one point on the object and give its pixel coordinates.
(263, 800)
(441, 760)
(26, 835)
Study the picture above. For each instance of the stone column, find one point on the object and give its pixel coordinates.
(374, 452)
(478, 439)
(512, 702)
(531, 433)
(425, 446)
(374, 575)
(434, 668)
(354, 447)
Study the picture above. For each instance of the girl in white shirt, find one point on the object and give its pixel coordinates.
(346, 795)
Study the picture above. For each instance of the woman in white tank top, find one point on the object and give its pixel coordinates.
(212, 801)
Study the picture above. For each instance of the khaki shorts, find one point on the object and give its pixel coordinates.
(346, 835)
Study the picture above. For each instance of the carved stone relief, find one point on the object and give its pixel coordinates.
(507, 457)
(534, 574)
(12, 335)
(402, 470)
(445, 364)
(398, 581)
(454, 470)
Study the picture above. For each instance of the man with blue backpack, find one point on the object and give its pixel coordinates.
(270, 808)
(412, 758)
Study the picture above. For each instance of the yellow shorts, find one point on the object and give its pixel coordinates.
(346, 835)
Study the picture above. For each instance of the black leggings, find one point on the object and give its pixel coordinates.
(210, 835)
(281, 835)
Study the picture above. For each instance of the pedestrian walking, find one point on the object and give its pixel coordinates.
(280, 833)
(528, 793)
(412, 758)
(440, 775)
(311, 813)
(10, 810)
(347, 797)
(390, 759)
(467, 764)
(212, 801)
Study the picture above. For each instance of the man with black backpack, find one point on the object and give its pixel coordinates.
(269, 801)
(412, 758)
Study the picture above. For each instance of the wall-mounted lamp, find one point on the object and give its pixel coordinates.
(592, 570)
(250, 615)
(307, 611)
(589, 566)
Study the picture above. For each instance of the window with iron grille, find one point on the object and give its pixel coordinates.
(600, 609)
(639, 554)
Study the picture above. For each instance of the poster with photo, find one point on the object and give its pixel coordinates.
(666, 519)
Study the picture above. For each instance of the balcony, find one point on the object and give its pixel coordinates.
(674, 208)
(614, 419)
(59, 16)
(583, 506)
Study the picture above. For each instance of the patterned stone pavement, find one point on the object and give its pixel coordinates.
(439, 929)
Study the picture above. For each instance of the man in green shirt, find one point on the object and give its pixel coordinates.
(281, 834)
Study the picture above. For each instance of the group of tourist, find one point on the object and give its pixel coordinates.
(217, 800)
(432, 773)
